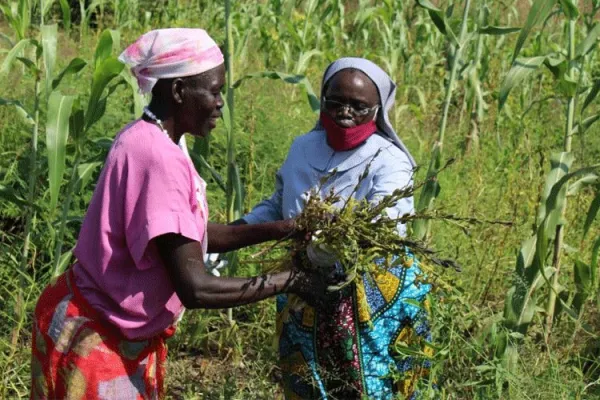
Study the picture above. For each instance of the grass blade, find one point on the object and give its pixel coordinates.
(76, 65)
(591, 214)
(57, 131)
(28, 118)
(49, 33)
(588, 43)
(12, 55)
(538, 12)
(498, 30)
(521, 69)
(66, 14)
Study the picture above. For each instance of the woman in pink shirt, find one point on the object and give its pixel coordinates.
(99, 330)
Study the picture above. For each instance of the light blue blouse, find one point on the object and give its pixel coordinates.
(310, 158)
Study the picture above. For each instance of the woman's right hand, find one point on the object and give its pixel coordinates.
(312, 287)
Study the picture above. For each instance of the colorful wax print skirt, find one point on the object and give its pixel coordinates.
(76, 355)
(352, 352)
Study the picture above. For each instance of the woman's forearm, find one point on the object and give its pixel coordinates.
(224, 238)
(213, 292)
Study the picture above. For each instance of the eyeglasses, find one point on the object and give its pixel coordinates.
(336, 106)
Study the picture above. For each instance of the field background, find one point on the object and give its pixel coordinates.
(499, 179)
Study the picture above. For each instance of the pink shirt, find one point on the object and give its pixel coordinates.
(148, 187)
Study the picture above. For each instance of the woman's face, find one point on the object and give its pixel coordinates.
(348, 97)
(200, 101)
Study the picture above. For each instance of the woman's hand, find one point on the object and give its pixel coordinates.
(312, 288)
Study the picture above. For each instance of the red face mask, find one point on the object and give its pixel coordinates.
(342, 139)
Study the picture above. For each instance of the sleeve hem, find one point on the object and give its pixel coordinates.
(173, 222)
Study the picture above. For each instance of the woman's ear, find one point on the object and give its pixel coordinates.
(177, 89)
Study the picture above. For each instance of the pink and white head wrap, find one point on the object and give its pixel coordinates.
(171, 53)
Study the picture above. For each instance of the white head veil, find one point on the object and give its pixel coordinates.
(387, 92)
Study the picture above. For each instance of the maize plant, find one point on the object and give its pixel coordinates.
(458, 46)
(535, 268)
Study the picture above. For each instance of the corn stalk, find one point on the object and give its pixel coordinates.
(532, 273)
(559, 236)
(233, 193)
(432, 187)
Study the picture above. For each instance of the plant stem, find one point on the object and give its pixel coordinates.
(32, 175)
(559, 236)
(453, 71)
(477, 105)
(422, 228)
(230, 193)
(63, 218)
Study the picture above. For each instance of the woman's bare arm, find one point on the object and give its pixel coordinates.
(197, 288)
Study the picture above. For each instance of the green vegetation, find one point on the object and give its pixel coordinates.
(516, 109)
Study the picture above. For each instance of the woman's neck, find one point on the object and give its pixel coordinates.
(166, 120)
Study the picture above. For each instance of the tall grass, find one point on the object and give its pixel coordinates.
(492, 323)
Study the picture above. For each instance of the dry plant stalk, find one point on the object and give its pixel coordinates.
(359, 233)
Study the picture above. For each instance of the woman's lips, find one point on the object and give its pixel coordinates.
(345, 123)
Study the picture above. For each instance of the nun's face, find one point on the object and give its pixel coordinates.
(351, 98)
(200, 101)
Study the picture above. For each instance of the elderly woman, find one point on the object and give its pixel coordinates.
(99, 330)
(350, 352)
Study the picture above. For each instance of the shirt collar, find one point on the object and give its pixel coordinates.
(322, 157)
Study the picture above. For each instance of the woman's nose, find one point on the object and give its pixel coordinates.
(345, 110)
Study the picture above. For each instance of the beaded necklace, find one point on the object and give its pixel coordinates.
(154, 118)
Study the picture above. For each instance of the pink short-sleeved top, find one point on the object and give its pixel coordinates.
(148, 187)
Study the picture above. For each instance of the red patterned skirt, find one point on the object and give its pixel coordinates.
(77, 355)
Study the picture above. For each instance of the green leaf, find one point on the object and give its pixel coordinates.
(591, 95)
(589, 42)
(557, 64)
(49, 33)
(526, 255)
(429, 192)
(199, 160)
(29, 65)
(426, 4)
(45, 6)
(560, 163)
(520, 302)
(77, 121)
(521, 69)
(569, 9)
(497, 30)
(414, 303)
(594, 262)
(538, 13)
(12, 55)
(7, 39)
(567, 86)
(57, 131)
(582, 276)
(27, 118)
(76, 65)
(299, 80)
(305, 58)
(66, 14)
(63, 263)
(103, 48)
(202, 148)
(139, 100)
(585, 124)
(576, 186)
(556, 198)
(84, 174)
(591, 214)
(436, 15)
(8, 194)
(106, 71)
